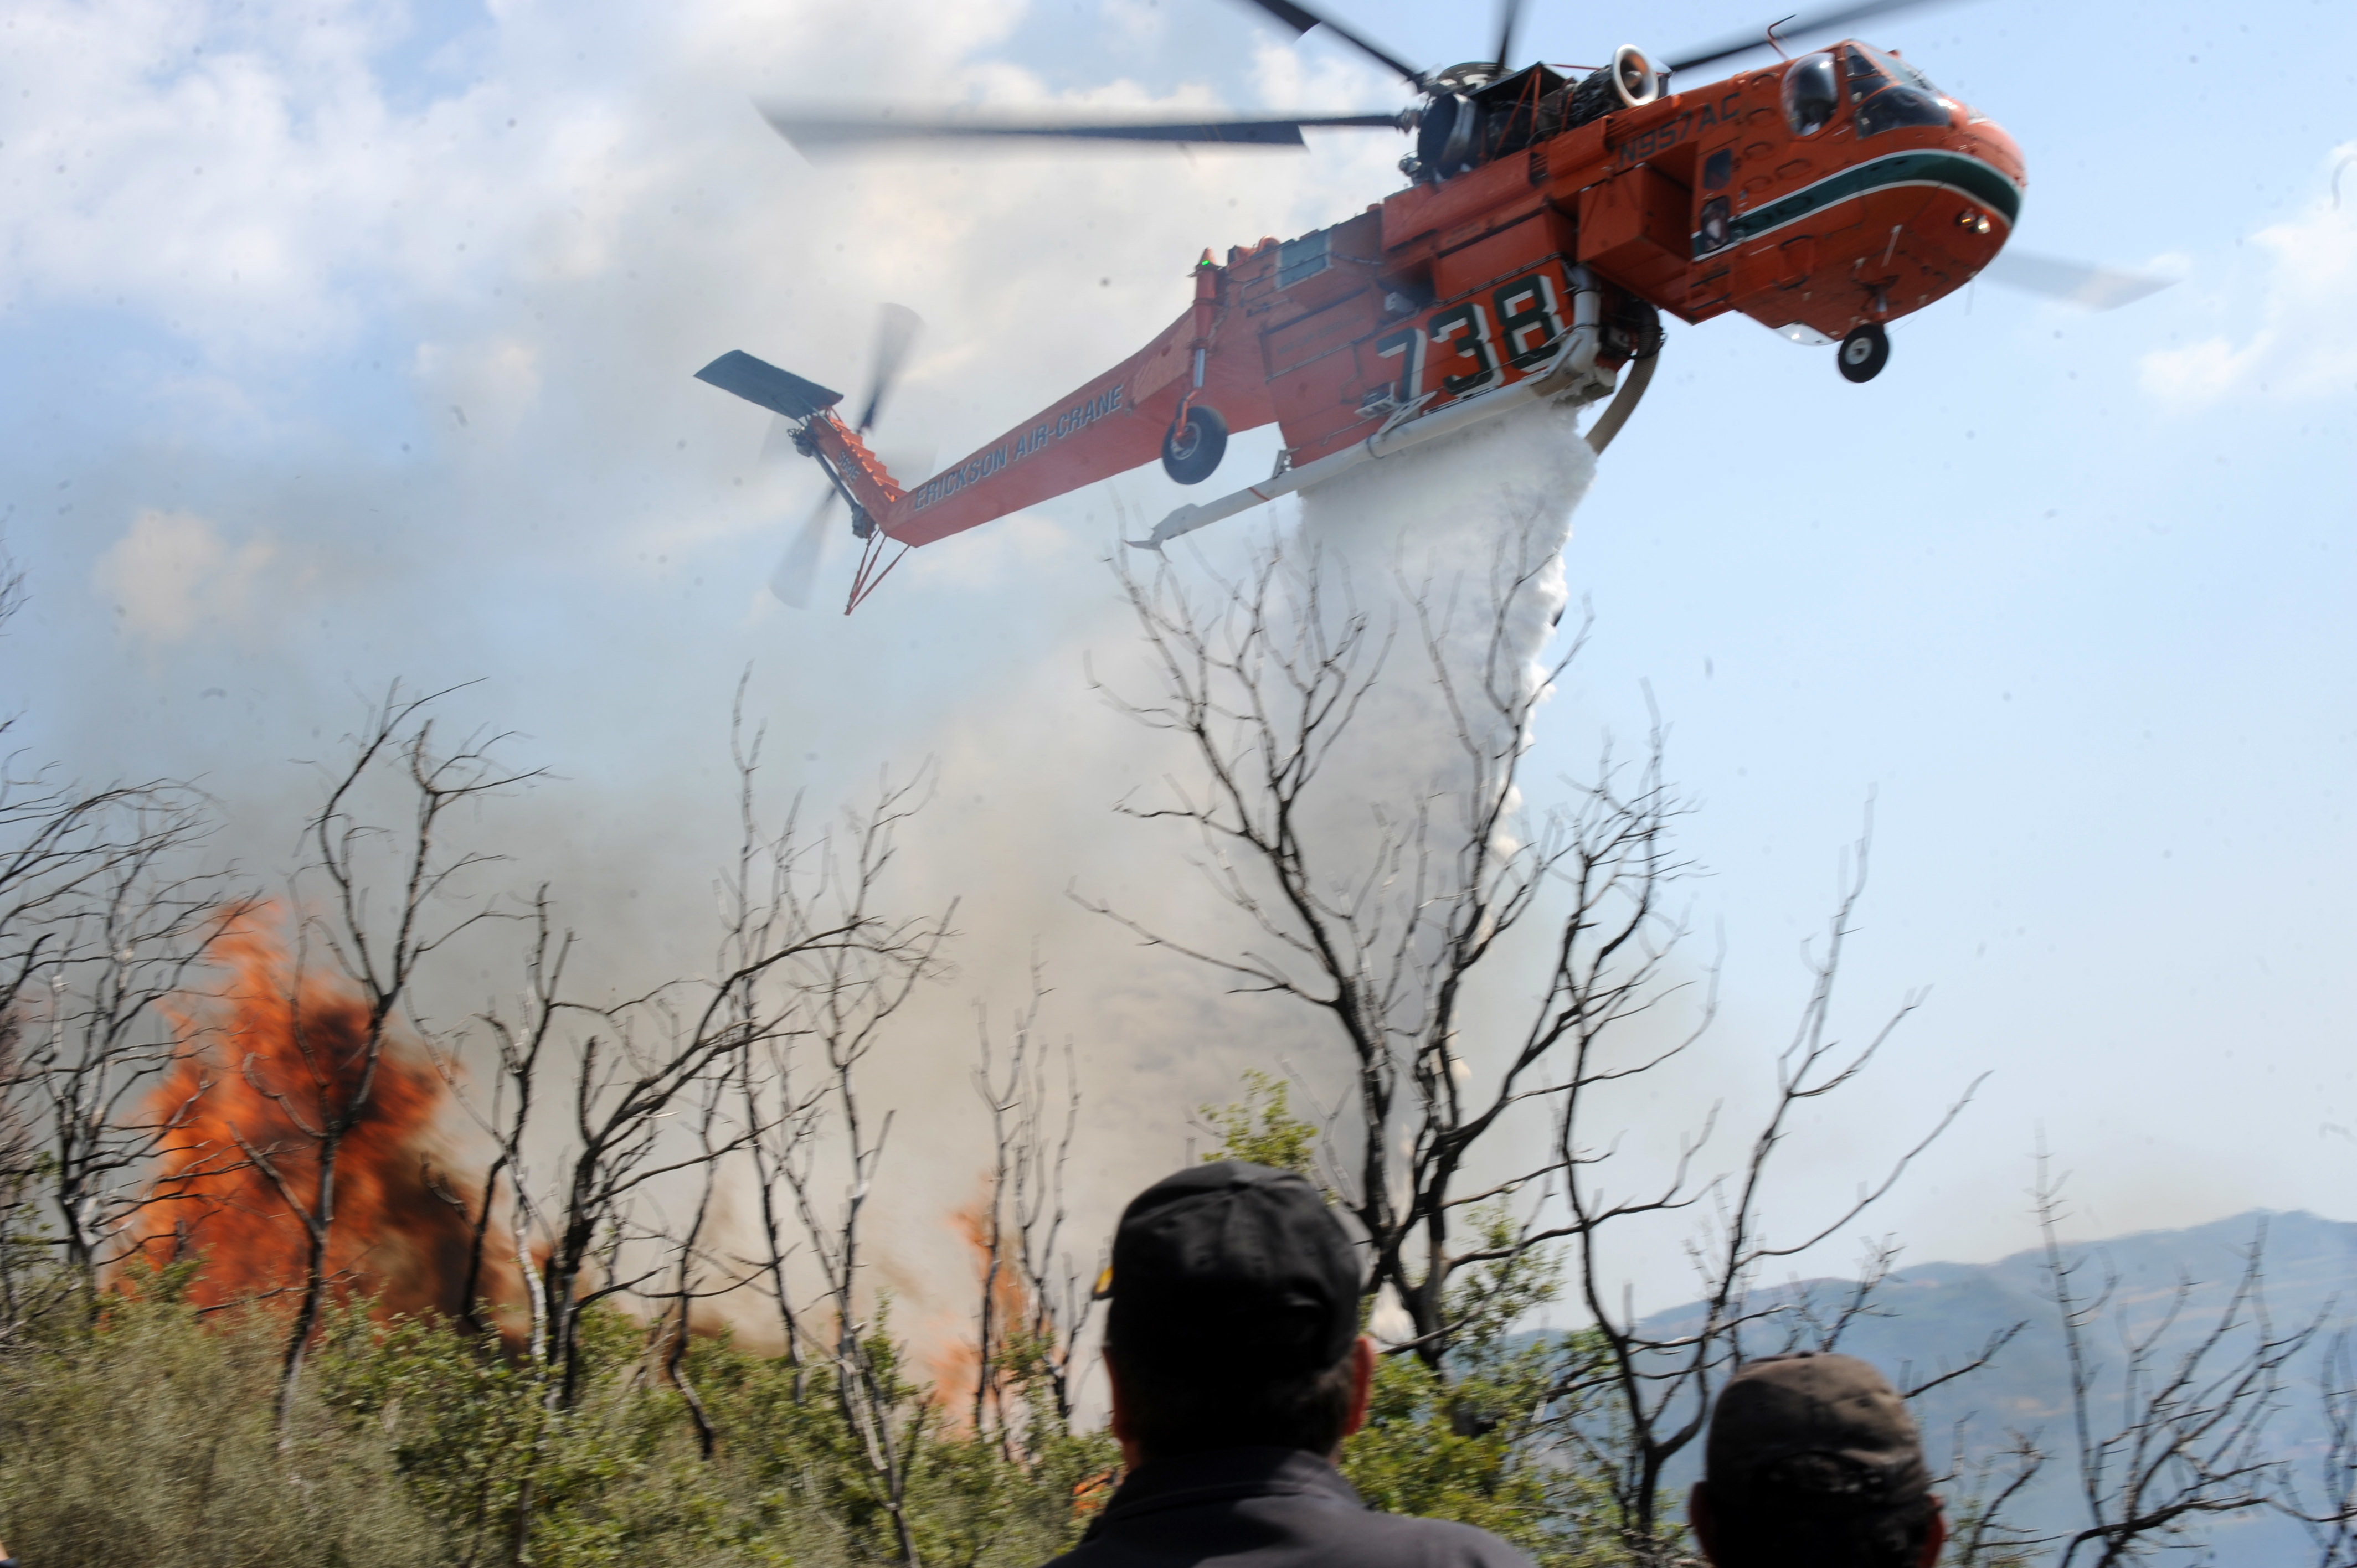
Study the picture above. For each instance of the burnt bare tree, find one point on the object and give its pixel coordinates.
(62, 846)
(1262, 681)
(1645, 1396)
(822, 1144)
(2169, 1421)
(100, 913)
(1558, 919)
(519, 1041)
(2191, 1441)
(101, 1043)
(2331, 1514)
(604, 1111)
(693, 1262)
(19, 1174)
(638, 1059)
(376, 937)
(1034, 1304)
(67, 850)
(1982, 1492)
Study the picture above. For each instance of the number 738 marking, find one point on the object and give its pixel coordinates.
(1529, 323)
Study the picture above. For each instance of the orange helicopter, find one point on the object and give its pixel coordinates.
(1550, 220)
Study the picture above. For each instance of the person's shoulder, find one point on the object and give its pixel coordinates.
(1408, 1540)
(1362, 1538)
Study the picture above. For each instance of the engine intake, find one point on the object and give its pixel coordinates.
(1627, 83)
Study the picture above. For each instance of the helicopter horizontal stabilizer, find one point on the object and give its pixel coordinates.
(758, 381)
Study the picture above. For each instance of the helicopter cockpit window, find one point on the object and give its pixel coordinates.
(1866, 76)
(1884, 103)
(1910, 73)
(1812, 94)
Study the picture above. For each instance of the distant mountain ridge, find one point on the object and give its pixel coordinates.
(1931, 1317)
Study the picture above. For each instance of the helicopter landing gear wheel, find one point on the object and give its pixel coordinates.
(1192, 450)
(1864, 352)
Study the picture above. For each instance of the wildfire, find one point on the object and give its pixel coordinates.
(271, 1058)
(956, 1363)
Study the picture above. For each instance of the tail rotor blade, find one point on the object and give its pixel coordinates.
(778, 444)
(896, 332)
(797, 571)
(2073, 283)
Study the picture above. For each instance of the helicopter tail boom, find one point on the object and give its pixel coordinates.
(1114, 423)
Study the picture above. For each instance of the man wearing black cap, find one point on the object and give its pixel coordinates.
(1237, 1366)
(1812, 1461)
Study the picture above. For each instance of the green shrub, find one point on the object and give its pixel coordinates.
(151, 1439)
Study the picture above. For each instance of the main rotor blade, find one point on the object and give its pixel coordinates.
(1301, 18)
(797, 570)
(1508, 12)
(2073, 283)
(896, 329)
(1791, 28)
(816, 134)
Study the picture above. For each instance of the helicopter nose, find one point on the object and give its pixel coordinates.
(1992, 145)
(1962, 229)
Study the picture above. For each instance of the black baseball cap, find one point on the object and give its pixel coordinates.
(1235, 1262)
(1816, 1430)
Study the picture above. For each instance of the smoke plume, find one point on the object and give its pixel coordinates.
(1440, 532)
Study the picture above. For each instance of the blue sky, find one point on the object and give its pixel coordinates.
(349, 342)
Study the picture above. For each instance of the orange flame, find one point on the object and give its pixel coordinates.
(267, 1061)
(956, 1364)
(1092, 1492)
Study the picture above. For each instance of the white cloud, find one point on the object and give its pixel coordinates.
(239, 172)
(173, 573)
(487, 386)
(2305, 342)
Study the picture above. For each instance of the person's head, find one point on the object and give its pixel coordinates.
(1233, 1316)
(1812, 1461)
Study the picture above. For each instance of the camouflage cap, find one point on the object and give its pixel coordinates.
(1820, 1432)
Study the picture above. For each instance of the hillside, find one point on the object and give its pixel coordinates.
(1931, 1317)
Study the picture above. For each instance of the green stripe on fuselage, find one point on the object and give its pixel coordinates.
(1974, 177)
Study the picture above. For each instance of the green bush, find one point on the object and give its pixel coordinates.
(149, 1440)
(150, 1435)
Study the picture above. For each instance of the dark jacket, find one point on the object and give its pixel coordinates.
(1268, 1508)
